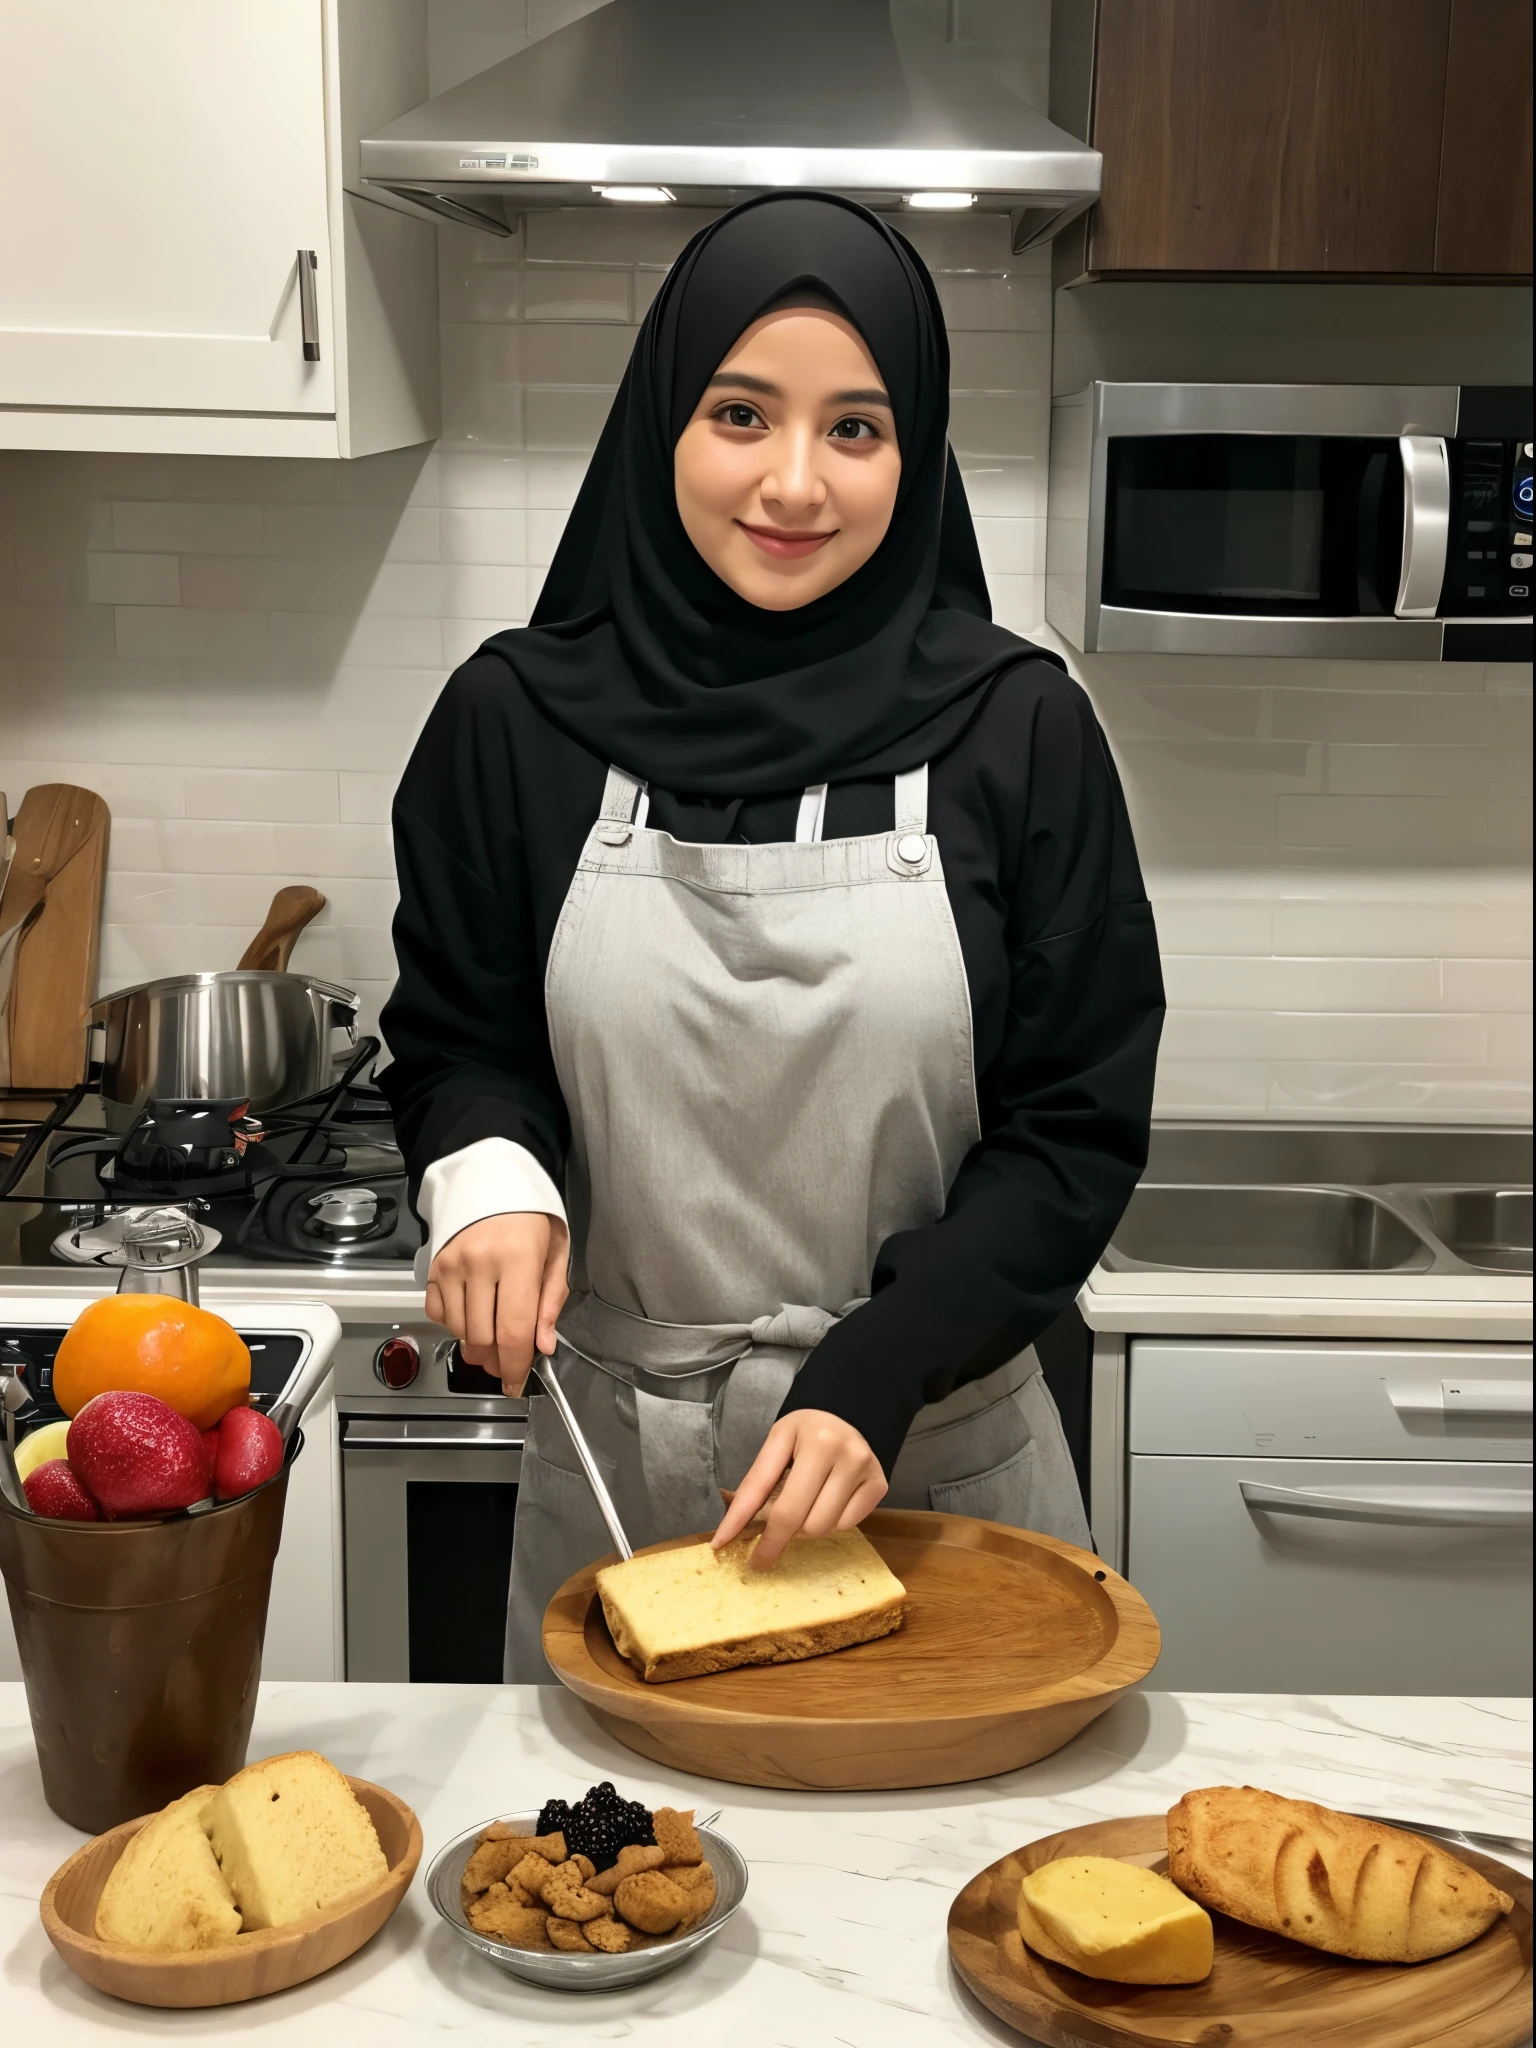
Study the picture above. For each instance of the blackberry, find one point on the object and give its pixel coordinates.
(554, 1817)
(601, 1824)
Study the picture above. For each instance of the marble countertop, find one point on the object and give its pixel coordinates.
(840, 1943)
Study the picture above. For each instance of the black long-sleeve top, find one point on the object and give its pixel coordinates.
(1060, 955)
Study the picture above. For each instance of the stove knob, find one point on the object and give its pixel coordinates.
(397, 1361)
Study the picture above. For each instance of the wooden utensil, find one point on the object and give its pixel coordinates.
(291, 910)
(1012, 1642)
(252, 1964)
(53, 889)
(1264, 1992)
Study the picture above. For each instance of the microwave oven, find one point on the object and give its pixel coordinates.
(1369, 522)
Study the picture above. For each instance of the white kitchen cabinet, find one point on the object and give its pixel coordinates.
(185, 269)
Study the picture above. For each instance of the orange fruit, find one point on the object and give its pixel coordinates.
(151, 1344)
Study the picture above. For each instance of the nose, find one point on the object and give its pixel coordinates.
(794, 482)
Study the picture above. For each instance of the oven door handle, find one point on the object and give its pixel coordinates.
(1426, 525)
(1452, 1507)
(430, 1434)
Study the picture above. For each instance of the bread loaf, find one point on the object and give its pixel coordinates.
(680, 1613)
(166, 1890)
(291, 1839)
(1347, 1886)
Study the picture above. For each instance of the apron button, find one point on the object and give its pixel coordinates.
(911, 847)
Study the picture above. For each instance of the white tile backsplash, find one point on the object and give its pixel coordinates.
(239, 654)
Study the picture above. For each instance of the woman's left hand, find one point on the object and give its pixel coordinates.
(832, 1479)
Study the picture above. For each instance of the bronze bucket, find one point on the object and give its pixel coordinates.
(140, 1646)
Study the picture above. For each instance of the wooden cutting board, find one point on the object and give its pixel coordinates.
(1264, 1992)
(53, 888)
(1012, 1642)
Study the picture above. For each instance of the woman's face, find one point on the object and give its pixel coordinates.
(786, 474)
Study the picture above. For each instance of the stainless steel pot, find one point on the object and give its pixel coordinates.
(240, 1035)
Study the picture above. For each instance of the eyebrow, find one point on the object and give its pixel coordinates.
(742, 382)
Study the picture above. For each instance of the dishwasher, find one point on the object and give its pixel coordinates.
(1309, 1516)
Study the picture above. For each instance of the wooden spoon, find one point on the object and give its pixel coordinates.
(272, 946)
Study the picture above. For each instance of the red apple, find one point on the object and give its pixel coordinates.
(138, 1456)
(55, 1489)
(249, 1453)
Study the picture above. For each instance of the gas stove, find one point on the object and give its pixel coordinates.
(318, 1184)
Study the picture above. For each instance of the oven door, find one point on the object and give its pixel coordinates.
(428, 1506)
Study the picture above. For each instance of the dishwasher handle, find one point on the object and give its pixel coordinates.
(1442, 1507)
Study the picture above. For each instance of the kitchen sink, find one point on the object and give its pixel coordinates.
(1246, 1229)
(1489, 1228)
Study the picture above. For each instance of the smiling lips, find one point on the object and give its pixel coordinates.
(785, 544)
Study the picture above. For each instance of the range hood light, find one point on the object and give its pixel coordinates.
(941, 202)
(636, 195)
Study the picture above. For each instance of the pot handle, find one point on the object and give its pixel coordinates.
(344, 1016)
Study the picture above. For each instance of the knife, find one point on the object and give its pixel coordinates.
(1447, 1831)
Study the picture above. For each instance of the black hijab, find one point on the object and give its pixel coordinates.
(637, 649)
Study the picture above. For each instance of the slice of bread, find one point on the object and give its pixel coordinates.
(682, 1613)
(291, 1839)
(166, 1890)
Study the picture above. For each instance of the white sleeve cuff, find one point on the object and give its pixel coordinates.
(492, 1177)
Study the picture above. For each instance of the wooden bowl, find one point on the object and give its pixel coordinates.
(1264, 1991)
(252, 1964)
(1012, 1642)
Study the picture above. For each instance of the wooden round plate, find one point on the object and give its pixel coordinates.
(1012, 1642)
(252, 1964)
(1264, 1992)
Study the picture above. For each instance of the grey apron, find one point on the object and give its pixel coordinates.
(766, 1056)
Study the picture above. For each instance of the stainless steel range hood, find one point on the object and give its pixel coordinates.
(705, 102)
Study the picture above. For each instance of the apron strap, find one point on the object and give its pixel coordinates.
(626, 802)
(912, 800)
(813, 810)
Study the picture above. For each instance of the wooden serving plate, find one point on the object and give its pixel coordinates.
(1264, 1992)
(252, 1964)
(1012, 1642)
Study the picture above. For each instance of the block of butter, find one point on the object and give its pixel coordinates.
(1115, 1921)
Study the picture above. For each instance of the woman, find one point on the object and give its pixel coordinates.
(780, 907)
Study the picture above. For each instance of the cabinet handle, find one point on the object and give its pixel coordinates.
(1447, 1507)
(1426, 525)
(309, 309)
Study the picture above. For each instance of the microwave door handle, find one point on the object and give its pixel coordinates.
(1426, 525)
(1445, 1507)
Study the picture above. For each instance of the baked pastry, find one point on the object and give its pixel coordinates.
(1115, 1921)
(166, 1890)
(1347, 1886)
(291, 1839)
(682, 1613)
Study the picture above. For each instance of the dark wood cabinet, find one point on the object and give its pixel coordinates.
(1299, 138)
(1483, 226)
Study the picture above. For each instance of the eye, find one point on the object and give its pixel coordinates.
(855, 430)
(739, 414)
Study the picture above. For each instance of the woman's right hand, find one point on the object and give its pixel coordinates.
(498, 1286)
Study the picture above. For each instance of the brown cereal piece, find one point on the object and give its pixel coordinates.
(490, 1863)
(675, 1835)
(566, 1895)
(510, 1890)
(550, 1847)
(611, 1936)
(696, 1881)
(567, 1935)
(532, 1872)
(584, 1865)
(518, 1926)
(632, 1859)
(651, 1902)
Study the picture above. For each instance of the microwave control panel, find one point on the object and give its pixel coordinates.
(1489, 556)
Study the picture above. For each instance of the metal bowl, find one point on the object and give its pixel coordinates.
(560, 1971)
